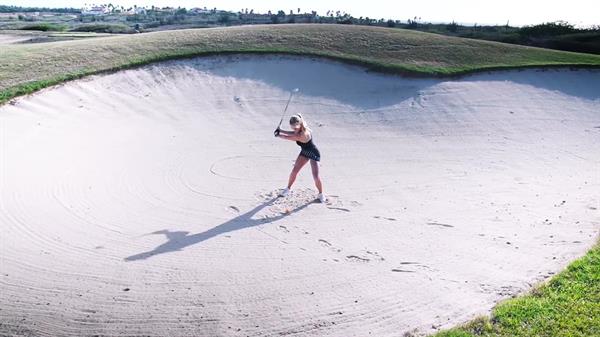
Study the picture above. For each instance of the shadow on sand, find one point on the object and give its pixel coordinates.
(316, 77)
(177, 240)
(353, 85)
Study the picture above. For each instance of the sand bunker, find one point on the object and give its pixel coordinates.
(141, 203)
(13, 38)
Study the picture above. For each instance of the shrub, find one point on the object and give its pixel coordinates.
(453, 27)
(104, 28)
(548, 29)
(153, 24)
(46, 27)
(224, 18)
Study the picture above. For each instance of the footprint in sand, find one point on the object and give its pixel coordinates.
(411, 267)
(339, 209)
(355, 258)
(326, 243)
(439, 224)
(560, 203)
(376, 255)
(385, 218)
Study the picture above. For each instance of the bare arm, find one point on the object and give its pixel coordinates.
(301, 137)
(286, 132)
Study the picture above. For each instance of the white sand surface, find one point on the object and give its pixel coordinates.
(13, 38)
(141, 203)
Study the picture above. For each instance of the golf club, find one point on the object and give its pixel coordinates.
(295, 90)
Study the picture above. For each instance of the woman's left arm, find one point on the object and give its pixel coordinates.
(293, 137)
(303, 137)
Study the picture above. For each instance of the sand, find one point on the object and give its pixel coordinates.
(141, 203)
(13, 38)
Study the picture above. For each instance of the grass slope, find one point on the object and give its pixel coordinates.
(28, 67)
(567, 306)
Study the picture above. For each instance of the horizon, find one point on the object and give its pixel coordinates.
(515, 13)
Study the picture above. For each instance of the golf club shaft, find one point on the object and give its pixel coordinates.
(286, 107)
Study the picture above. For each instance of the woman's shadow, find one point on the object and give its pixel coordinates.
(177, 240)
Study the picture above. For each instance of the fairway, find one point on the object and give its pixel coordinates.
(143, 202)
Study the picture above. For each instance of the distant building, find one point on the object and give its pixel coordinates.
(95, 10)
(137, 11)
(165, 9)
(198, 10)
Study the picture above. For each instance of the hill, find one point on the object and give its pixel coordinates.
(28, 67)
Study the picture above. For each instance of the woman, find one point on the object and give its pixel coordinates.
(308, 152)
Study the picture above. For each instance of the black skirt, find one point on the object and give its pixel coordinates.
(309, 150)
(311, 154)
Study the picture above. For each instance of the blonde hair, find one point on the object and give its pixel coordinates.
(297, 118)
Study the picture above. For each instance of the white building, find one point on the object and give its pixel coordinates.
(95, 10)
(137, 10)
(199, 10)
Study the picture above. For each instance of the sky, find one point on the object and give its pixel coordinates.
(515, 12)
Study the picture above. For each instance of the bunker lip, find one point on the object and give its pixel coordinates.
(152, 191)
(24, 89)
(313, 40)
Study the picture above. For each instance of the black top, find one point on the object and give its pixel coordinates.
(308, 145)
(309, 150)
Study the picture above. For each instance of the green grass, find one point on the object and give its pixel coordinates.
(567, 306)
(115, 28)
(45, 27)
(27, 67)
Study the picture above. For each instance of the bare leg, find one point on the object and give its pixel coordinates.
(315, 173)
(300, 162)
